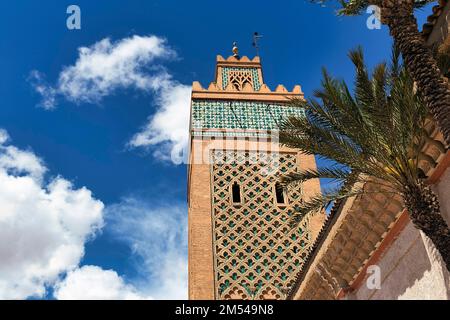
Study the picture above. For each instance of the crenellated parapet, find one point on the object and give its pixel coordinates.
(241, 78)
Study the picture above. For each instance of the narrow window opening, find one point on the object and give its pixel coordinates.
(279, 193)
(236, 192)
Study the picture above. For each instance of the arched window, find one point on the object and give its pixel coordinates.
(236, 192)
(279, 194)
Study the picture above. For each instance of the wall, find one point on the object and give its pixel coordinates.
(411, 268)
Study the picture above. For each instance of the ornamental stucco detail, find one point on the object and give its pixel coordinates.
(238, 77)
(256, 253)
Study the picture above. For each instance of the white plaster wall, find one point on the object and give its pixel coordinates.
(435, 282)
(412, 268)
(442, 189)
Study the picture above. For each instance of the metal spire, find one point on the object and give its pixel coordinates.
(256, 37)
(235, 50)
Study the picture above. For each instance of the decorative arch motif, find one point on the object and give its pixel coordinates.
(257, 254)
(238, 78)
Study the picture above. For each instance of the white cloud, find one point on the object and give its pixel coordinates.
(47, 92)
(128, 63)
(16, 161)
(158, 235)
(169, 127)
(106, 66)
(4, 136)
(43, 226)
(94, 283)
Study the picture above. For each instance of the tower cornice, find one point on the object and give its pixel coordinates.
(281, 94)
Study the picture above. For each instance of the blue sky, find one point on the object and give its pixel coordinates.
(138, 196)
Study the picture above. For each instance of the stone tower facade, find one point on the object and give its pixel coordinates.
(240, 243)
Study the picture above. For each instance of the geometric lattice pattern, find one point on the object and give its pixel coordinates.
(257, 254)
(253, 115)
(239, 76)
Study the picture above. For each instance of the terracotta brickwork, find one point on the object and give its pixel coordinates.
(201, 279)
(243, 250)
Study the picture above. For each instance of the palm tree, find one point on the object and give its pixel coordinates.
(398, 15)
(374, 135)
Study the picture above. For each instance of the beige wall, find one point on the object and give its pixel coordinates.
(442, 188)
(411, 268)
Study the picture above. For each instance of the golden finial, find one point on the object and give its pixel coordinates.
(235, 50)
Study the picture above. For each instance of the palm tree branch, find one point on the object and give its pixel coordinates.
(334, 173)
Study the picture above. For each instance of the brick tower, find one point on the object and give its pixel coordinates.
(240, 243)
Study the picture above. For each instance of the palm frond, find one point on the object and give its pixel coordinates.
(352, 7)
(334, 173)
(319, 202)
(308, 136)
(357, 7)
(375, 131)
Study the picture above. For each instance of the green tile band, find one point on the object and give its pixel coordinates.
(241, 115)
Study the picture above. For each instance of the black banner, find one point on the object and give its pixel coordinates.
(295, 310)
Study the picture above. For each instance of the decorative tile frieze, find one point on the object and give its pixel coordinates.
(245, 115)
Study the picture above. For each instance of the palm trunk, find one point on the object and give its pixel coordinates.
(423, 208)
(419, 61)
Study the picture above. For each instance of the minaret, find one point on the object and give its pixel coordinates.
(240, 243)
